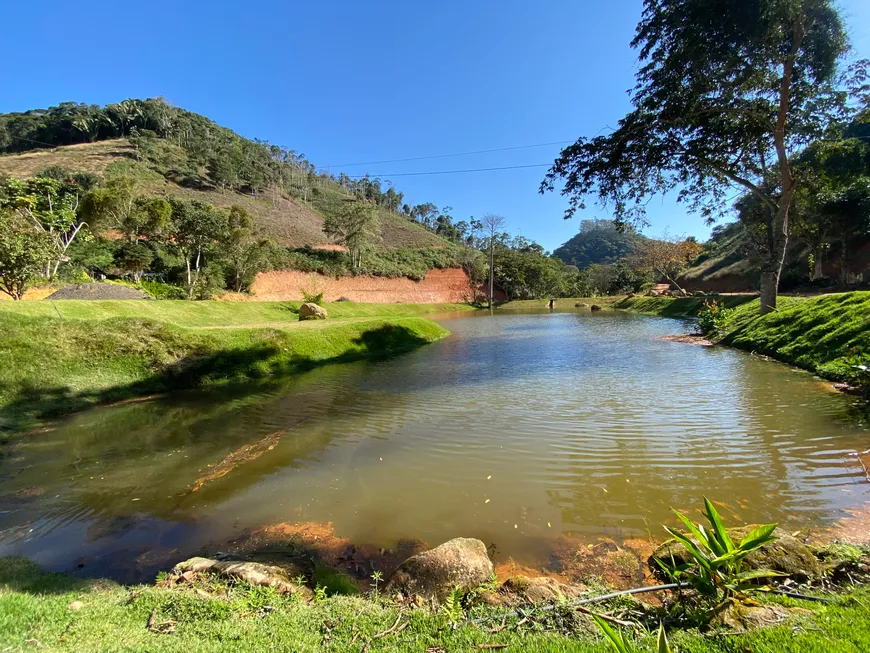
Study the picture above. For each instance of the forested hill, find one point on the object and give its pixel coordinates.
(598, 242)
(171, 151)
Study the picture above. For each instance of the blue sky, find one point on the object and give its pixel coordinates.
(353, 82)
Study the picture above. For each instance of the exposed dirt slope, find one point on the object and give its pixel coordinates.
(439, 286)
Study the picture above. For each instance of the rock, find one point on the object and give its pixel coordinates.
(309, 311)
(253, 572)
(519, 590)
(786, 554)
(595, 307)
(741, 618)
(433, 574)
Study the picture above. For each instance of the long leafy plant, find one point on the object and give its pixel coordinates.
(716, 566)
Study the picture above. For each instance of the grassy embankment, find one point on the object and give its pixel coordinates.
(561, 302)
(59, 357)
(43, 611)
(814, 333)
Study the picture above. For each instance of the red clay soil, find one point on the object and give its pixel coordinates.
(439, 287)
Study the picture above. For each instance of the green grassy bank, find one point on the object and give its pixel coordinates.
(561, 302)
(51, 365)
(53, 612)
(213, 313)
(818, 334)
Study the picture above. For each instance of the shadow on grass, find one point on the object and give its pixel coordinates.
(34, 401)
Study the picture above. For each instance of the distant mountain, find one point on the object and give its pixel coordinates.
(598, 242)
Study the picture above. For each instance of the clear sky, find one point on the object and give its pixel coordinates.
(355, 82)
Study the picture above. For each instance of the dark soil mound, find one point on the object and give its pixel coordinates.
(98, 290)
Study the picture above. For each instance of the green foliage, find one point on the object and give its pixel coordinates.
(356, 227)
(451, 607)
(858, 371)
(312, 297)
(713, 317)
(24, 253)
(133, 258)
(618, 643)
(160, 290)
(716, 567)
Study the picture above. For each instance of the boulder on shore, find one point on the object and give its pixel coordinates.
(786, 555)
(433, 574)
(311, 311)
(595, 307)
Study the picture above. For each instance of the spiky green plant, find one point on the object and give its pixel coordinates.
(617, 641)
(716, 568)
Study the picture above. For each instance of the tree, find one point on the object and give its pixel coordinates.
(24, 253)
(356, 226)
(244, 249)
(667, 257)
(192, 232)
(50, 206)
(727, 92)
(117, 205)
(134, 258)
(491, 226)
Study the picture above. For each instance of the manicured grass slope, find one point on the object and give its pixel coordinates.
(213, 313)
(816, 333)
(35, 614)
(50, 365)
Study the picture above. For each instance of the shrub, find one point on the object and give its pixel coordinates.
(311, 298)
(713, 317)
(717, 562)
(161, 290)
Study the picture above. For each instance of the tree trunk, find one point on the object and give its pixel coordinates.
(818, 272)
(844, 270)
(189, 282)
(491, 275)
(769, 283)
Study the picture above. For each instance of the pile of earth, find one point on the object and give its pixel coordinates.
(98, 290)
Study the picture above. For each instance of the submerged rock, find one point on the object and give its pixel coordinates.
(310, 311)
(433, 574)
(253, 572)
(786, 554)
(595, 307)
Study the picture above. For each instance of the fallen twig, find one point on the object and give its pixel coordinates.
(492, 646)
(606, 617)
(162, 628)
(390, 629)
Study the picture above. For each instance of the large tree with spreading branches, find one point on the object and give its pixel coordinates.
(728, 91)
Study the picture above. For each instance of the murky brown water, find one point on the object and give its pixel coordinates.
(516, 429)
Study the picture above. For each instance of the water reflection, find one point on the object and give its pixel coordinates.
(516, 429)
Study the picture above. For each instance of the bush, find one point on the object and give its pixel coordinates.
(311, 298)
(712, 317)
(161, 290)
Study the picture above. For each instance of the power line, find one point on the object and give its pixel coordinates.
(449, 172)
(444, 156)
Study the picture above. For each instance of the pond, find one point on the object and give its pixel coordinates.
(518, 429)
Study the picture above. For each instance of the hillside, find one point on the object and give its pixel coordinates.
(598, 242)
(290, 222)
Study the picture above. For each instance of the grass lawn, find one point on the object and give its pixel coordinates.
(54, 612)
(50, 365)
(213, 313)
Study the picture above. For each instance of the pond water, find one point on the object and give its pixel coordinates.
(517, 429)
